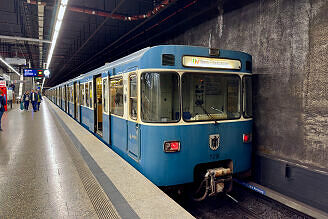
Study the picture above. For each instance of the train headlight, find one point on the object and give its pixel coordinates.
(172, 146)
(247, 138)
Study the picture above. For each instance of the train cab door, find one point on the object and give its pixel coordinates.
(133, 125)
(98, 105)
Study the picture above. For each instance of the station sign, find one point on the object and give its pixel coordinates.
(203, 62)
(36, 73)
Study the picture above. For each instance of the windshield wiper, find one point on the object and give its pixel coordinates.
(209, 115)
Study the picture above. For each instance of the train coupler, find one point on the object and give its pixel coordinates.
(216, 180)
(219, 180)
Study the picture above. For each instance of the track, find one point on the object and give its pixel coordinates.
(243, 203)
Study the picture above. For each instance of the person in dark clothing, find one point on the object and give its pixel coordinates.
(2, 106)
(26, 100)
(34, 99)
(39, 99)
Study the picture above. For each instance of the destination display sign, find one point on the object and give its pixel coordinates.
(36, 73)
(203, 62)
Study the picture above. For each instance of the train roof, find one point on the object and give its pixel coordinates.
(152, 58)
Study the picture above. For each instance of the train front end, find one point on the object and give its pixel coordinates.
(197, 122)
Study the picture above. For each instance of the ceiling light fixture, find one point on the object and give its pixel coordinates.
(59, 21)
(9, 66)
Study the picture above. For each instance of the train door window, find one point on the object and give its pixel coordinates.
(82, 96)
(77, 94)
(69, 94)
(87, 95)
(133, 97)
(90, 95)
(116, 96)
(247, 97)
(72, 94)
(105, 95)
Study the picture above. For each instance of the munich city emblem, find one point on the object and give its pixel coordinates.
(214, 141)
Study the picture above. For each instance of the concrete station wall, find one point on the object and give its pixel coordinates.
(289, 44)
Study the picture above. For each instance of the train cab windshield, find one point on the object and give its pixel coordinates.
(210, 96)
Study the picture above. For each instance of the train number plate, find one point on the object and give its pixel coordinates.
(214, 141)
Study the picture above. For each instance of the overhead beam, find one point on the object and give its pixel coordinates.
(17, 38)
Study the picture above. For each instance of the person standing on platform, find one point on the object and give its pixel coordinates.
(39, 99)
(26, 100)
(2, 106)
(34, 99)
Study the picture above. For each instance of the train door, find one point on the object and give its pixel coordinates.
(105, 103)
(97, 84)
(75, 92)
(78, 96)
(133, 125)
(67, 98)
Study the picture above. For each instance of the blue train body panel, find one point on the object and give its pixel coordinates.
(71, 109)
(87, 118)
(166, 169)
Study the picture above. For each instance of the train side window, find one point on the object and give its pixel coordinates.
(90, 95)
(247, 96)
(160, 97)
(116, 96)
(133, 97)
(105, 96)
(86, 86)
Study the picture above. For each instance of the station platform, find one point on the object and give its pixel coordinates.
(51, 167)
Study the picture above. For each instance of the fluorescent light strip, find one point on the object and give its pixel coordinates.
(59, 20)
(9, 66)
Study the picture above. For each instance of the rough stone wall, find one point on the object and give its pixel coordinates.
(289, 44)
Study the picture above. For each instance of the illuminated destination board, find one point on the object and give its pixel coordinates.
(203, 62)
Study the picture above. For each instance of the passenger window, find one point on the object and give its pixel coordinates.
(87, 95)
(90, 96)
(133, 97)
(247, 96)
(116, 96)
(105, 96)
(160, 97)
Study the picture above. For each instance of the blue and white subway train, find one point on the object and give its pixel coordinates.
(178, 114)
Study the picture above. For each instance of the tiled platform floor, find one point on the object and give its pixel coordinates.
(38, 178)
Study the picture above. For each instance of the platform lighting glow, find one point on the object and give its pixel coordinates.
(9, 66)
(59, 20)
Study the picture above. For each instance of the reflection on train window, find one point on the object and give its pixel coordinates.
(248, 112)
(160, 101)
(210, 96)
(105, 90)
(86, 95)
(133, 97)
(90, 95)
(116, 96)
(82, 96)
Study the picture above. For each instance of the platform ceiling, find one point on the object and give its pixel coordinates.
(98, 31)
